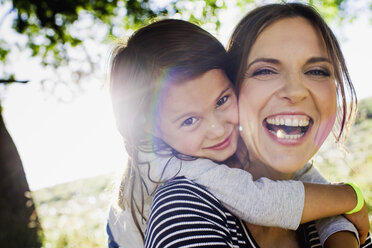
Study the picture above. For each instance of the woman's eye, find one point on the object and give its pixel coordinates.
(222, 100)
(263, 72)
(189, 121)
(319, 72)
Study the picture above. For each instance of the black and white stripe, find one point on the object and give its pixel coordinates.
(368, 242)
(184, 214)
(308, 236)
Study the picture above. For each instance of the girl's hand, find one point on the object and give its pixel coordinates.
(361, 222)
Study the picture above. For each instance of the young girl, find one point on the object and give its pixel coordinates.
(173, 104)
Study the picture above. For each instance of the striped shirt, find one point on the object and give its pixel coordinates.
(184, 214)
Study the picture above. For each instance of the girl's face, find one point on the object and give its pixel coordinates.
(200, 117)
(287, 100)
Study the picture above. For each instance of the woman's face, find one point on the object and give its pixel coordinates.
(287, 101)
(200, 117)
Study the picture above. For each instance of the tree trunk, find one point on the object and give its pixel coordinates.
(19, 225)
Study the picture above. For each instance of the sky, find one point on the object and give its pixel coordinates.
(63, 141)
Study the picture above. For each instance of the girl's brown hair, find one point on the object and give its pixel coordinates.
(252, 25)
(162, 53)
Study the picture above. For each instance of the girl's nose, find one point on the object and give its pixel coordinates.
(215, 128)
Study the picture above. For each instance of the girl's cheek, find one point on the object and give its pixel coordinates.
(194, 141)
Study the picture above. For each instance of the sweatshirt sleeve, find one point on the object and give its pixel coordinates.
(261, 202)
(327, 226)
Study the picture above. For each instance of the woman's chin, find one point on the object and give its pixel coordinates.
(287, 168)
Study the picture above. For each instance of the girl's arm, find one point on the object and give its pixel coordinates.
(329, 227)
(264, 201)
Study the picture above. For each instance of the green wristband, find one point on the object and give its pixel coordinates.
(360, 199)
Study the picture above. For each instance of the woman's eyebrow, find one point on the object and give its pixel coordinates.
(267, 60)
(318, 59)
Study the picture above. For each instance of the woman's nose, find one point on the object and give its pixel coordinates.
(293, 89)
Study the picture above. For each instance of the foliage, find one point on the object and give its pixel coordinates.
(4, 50)
(53, 27)
(365, 110)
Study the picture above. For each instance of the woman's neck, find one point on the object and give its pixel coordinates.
(256, 167)
(265, 236)
(259, 170)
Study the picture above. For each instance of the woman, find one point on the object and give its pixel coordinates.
(290, 68)
(285, 82)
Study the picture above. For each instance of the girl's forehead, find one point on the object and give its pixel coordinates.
(194, 94)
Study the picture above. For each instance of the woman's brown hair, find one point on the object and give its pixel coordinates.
(252, 25)
(162, 53)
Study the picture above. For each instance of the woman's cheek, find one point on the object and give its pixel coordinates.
(234, 114)
(327, 104)
(324, 130)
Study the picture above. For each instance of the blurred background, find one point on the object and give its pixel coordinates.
(60, 153)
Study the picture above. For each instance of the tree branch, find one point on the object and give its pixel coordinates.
(8, 81)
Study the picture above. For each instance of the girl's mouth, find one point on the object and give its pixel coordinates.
(288, 127)
(220, 146)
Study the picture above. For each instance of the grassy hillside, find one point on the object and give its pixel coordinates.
(74, 214)
(352, 162)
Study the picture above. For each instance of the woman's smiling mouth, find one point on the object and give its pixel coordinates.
(288, 128)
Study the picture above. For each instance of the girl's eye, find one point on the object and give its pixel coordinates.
(263, 72)
(189, 121)
(319, 72)
(222, 100)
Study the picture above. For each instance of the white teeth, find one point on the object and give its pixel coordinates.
(295, 122)
(305, 123)
(288, 122)
(282, 135)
